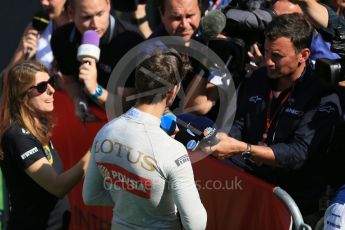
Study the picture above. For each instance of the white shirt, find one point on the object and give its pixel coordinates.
(44, 52)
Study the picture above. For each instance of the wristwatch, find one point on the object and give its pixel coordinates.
(98, 92)
(247, 155)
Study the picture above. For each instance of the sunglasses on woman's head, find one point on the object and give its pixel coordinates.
(42, 86)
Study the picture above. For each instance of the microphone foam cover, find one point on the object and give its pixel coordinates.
(213, 23)
(90, 37)
(89, 46)
(168, 123)
(40, 21)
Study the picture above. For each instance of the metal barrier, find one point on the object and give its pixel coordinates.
(293, 208)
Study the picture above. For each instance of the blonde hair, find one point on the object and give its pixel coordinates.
(15, 108)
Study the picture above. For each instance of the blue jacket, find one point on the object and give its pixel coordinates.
(299, 136)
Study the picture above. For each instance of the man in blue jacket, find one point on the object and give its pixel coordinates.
(285, 116)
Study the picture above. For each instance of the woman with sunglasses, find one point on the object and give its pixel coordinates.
(31, 166)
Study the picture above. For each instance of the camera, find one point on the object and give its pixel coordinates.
(333, 71)
(330, 71)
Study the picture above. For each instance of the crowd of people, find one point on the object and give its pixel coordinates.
(287, 130)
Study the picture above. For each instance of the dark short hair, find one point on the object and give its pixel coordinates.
(158, 73)
(161, 5)
(293, 26)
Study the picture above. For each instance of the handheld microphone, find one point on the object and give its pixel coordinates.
(39, 22)
(89, 46)
(212, 24)
(190, 136)
(169, 123)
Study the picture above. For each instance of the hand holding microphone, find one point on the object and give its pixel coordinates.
(29, 43)
(210, 141)
(88, 54)
(88, 74)
(31, 35)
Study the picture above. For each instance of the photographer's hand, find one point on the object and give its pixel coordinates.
(316, 12)
(256, 56)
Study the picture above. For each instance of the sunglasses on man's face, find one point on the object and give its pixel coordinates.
(42, 86)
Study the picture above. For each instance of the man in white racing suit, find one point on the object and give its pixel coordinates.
(136, 167)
